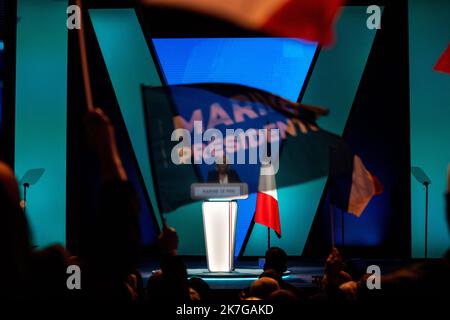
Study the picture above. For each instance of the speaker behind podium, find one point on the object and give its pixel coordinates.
(219, 211)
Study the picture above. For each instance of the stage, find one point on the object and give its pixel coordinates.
(301, 274)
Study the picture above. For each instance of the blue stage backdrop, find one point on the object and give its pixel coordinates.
(273, 64)
(338, 69)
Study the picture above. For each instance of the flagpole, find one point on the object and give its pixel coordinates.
(268, 238)
(331, 208)
(426, 184)
(342, 226)
(84, 60)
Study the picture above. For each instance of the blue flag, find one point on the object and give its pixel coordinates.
(222, 133)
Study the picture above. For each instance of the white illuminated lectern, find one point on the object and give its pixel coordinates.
(219, 221)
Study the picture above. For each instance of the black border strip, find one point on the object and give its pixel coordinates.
(151, 47)
(309, 74)
(152, 161)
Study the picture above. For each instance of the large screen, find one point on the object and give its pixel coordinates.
(278, 65)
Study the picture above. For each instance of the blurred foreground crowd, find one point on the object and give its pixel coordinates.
(30, 274)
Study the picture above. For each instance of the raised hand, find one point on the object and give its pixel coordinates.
(168, 240)
(101, 137)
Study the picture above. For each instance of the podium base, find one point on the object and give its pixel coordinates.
(219, 223)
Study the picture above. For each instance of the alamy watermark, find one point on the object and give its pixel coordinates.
(74, 18)
(73, 281)
(374, 280)
(374, 20)
(252, 146)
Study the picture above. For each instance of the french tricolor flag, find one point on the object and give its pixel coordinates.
(352, 191)
(364, 187)
(305, 19)
(267, 212)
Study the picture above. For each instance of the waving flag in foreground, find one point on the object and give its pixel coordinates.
(443, 64)
(305, 19)
(306, 151)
